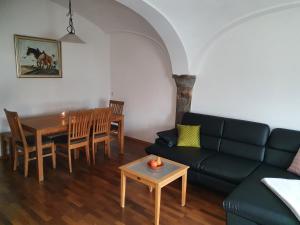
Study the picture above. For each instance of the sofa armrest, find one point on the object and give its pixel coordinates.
(168, 137)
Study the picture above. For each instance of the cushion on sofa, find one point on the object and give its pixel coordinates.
(254, 201)
(188, 135)
(282, 147)
(228, 167)
(186, 155)
(211, 129)
(244, 138)
(295, 166)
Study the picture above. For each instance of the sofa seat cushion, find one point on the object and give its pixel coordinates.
(254, 201)
(186, 155)
(228, 167)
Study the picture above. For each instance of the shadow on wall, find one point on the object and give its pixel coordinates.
(149, 133)
(144, 81)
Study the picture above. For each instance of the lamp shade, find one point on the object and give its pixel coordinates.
(72, 38)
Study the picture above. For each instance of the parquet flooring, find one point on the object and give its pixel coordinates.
(91, 196)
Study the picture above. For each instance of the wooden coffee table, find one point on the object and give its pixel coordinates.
(139, 171)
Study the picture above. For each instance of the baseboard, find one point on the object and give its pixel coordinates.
(138, 140)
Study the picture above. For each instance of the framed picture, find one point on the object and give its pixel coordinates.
(37, 57)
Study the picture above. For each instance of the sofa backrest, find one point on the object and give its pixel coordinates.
(282, 147)
(236, 137)
(211, 129)
(244, 139)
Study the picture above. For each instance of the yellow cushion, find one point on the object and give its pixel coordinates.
(188, 136)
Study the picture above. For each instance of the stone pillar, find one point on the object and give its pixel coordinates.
(185, 84)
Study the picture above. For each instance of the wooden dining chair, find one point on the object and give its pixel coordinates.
(79, 125)
(101, 130)
(25, 145)
(116, 108)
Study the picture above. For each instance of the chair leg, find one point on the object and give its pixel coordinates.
(53, 149)
(105, 149)
(93, 152)
(87, 151)
(75, 154)
(16, 158)
(3, 147)
(107, 143)
(70, 160)
(26, 162)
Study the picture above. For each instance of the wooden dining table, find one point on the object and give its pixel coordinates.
(54, 124)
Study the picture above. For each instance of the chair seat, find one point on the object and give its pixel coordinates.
(114, 127)
(100, 135)
(63, 139)
(31, 141)
(55, 135)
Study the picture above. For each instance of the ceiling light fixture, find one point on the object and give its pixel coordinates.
(71, 36)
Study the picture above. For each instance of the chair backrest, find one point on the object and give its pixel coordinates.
(15, 127)
(80, 124)
(101, 121)
(116, 107)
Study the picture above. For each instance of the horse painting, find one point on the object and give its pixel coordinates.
(38, 57)
(43, 61)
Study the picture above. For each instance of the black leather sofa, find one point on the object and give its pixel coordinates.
(234, 156)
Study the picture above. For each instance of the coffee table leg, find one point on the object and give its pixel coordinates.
(123, 189)
(183, 191)
(157, 203)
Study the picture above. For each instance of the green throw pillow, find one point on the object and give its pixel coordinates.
(188, 136)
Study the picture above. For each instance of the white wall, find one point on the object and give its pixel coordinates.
(253, 72)
(86, 68)
(245, 55)
(140, 66)
(141, 76)
(250, 71)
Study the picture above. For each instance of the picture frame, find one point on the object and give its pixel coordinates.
(37, 57)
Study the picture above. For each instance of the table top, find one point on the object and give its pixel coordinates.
(52, 123)
(40, 122)
(141, 168)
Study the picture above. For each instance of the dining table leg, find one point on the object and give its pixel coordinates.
(40, 162)
(121, 136)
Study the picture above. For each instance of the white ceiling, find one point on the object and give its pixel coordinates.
(111, 16)
(198, 22)
(187, 27)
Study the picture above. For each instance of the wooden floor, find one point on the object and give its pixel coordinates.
(91, 196)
